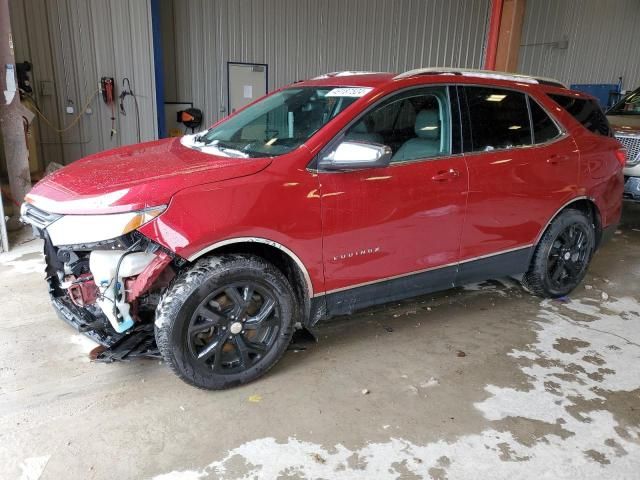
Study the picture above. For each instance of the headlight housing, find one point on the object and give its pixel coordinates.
(81, 229)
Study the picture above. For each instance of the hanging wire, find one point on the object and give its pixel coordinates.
(73, 122)
(127, 91)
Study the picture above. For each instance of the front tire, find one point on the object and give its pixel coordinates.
(225, 321)
(562, 256)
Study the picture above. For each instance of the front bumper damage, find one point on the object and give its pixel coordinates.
(137, 342)
(75, 296)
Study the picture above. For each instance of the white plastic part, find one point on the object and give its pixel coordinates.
(348, 92)
(103, 264)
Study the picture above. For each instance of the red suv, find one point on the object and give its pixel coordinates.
(326, 196)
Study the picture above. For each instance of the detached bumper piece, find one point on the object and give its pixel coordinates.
(632, 189)
(138, 342)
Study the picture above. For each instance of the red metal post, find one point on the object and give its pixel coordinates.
(493, 35)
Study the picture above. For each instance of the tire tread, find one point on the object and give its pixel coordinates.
(533, 279)
(184, 285)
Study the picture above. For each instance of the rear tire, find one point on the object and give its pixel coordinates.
(225, 321)
(562, 256)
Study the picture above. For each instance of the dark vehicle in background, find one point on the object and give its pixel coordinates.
(624, 118)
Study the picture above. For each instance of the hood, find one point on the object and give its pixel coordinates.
(625, 123)
(135, 177)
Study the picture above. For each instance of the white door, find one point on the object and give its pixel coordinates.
(247, 82)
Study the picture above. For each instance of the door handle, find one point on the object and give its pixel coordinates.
(556, 159)
(446, 175)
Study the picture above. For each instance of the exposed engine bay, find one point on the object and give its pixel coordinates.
(110, 290)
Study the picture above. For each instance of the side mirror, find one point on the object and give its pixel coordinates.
(353, 155)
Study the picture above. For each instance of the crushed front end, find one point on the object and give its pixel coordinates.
(106, 289)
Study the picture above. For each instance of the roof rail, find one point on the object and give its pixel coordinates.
(345, 73)
(470, 72)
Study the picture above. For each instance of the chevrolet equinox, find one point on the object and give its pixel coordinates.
(326, 196)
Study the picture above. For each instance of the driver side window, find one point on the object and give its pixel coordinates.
(415, 125)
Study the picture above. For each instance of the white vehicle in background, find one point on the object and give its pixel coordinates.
(624, 118)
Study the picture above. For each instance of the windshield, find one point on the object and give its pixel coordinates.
(629, 105)
(280, 122)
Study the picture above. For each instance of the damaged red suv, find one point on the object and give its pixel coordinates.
(325, 197)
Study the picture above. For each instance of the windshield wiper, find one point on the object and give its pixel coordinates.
(232, 152)
(229, 150)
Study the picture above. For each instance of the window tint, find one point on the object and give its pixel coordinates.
(413, 124)
(499, 118)
(544, 129)
(587, 112)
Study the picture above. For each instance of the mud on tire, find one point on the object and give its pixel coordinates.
(225, 321)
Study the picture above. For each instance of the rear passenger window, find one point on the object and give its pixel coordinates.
(499, 118)
(587, 112)
(544, 129)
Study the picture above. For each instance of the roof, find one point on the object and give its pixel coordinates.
(490, 74)
(375, 79)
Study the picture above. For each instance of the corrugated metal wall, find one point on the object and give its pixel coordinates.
(299, 39)
(72, 43)
(603, 35)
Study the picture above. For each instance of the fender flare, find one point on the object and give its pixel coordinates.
(265, 241)
(557, 212)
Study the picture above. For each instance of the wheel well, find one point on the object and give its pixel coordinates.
(282, 262)
(590, 209)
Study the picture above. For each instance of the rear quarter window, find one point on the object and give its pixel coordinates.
(544, 129)
(585, 111)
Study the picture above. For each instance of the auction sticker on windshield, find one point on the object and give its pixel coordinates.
(348, 92)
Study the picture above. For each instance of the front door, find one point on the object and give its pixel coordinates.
(394, 232)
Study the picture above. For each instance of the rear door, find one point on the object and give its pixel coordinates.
(522, 169)
(394, 232)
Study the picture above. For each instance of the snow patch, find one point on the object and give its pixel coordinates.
(33, 467)
(85, 344)
(583, 350)
(31, 265)
(432, 382)
(498, 286)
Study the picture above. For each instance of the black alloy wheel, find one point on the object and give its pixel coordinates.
(562, 256)
(568, 256)
(225, 321)
(234, 327)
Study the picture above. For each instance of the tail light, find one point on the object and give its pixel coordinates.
(621, 155)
